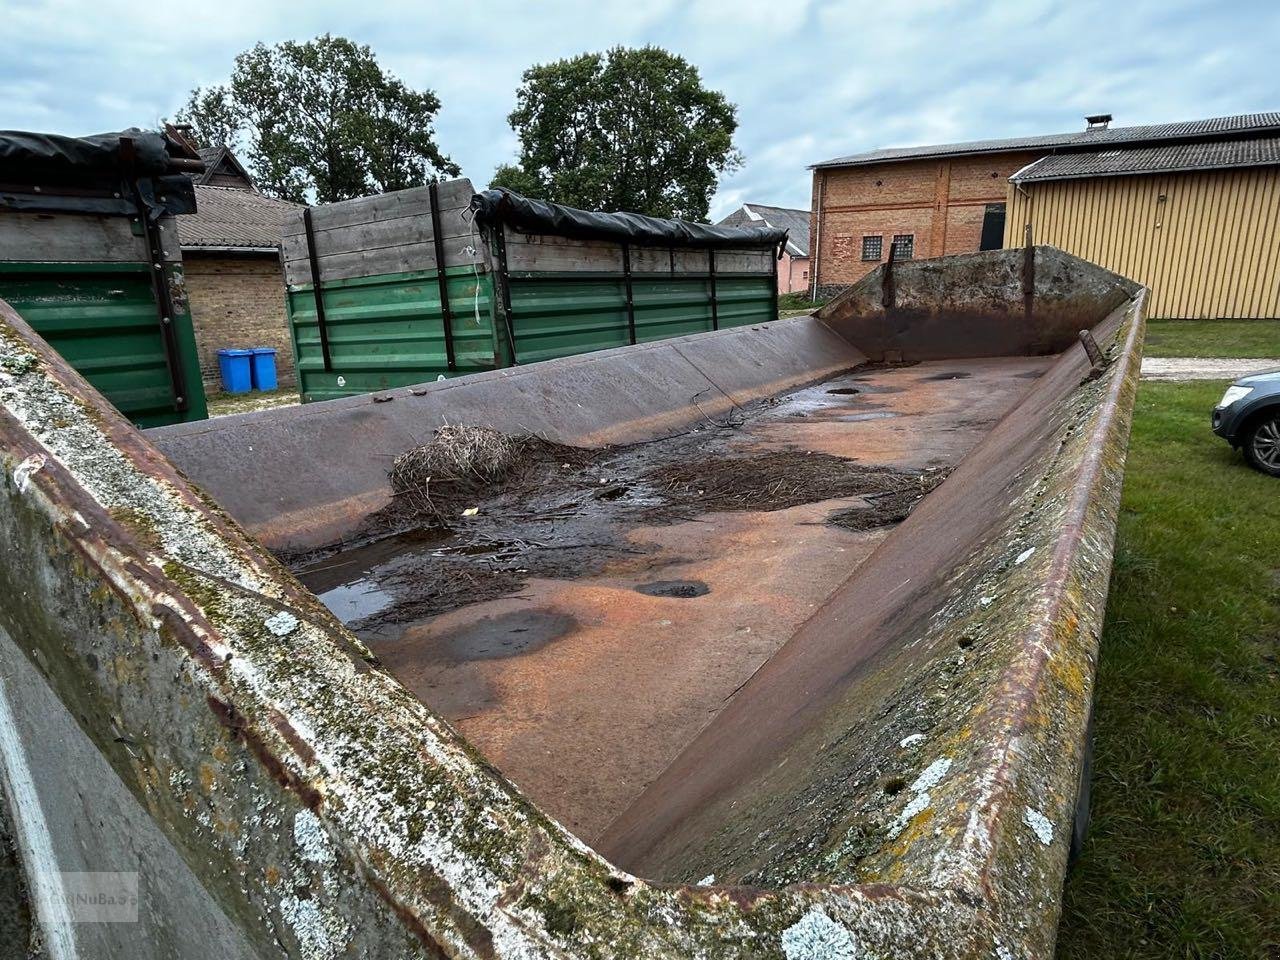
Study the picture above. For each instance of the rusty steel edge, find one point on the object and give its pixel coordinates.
(257, 731)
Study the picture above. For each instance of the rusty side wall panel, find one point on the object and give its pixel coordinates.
(325, 809)
(322, 807)
(936, 703)
(976, 305)
(308, 476)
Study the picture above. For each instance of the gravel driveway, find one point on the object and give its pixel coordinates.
(1203, 368)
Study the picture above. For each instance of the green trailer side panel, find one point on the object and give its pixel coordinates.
(102, 318)
(388, 331)
(743, 299)
(554, 315)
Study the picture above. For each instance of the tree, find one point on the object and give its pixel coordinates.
(625, 130)
(321, 119)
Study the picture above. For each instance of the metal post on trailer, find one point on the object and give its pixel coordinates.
(1028, 271)
(715, 307)
(316, 291)
(446, 310)
(886, 282)
(631, 304)
(159, 281)
(777, 258)
(500, 242)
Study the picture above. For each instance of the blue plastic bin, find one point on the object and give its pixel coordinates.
(234, 367)
(264, 368)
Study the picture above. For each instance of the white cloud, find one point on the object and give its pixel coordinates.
(812, 79)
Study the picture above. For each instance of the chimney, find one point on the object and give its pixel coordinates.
(1099, 121)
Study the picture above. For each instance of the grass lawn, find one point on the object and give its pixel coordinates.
(1183, 857)
(1213, 338)
(223, 404)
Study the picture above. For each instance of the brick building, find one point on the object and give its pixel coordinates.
(793, 268)
(931, 201)
(231, 256)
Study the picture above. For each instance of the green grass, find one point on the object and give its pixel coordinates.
(1213, 338)
(1183, 857)
(224, 404)
(790, 304)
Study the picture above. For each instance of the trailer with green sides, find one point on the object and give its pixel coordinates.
(89, 256)
(437, 281)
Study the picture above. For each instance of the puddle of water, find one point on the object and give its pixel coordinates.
(950, 375)
(880, 415)
(506, 635)
(355, 601)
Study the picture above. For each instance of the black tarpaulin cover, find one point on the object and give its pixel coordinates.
(99, 162)
(53, 158)
(538, 216)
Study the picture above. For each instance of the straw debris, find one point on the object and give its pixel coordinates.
(460, 466)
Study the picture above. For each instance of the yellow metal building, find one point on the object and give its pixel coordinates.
(1198, 223)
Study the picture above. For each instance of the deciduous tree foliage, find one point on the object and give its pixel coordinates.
(630, 129)
(321, 120)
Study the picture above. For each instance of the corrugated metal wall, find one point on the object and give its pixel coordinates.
(1205, 243)
(102, 318)
(388, 331)
(376, 258)
(557, 315)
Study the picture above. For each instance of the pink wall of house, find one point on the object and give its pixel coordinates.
(793, 274)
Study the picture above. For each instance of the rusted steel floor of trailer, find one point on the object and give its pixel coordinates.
(582, 635)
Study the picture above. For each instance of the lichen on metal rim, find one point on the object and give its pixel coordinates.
(277, 757)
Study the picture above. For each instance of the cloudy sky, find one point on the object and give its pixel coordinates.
(812, 80)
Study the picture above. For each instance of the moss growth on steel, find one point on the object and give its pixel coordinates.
(431, 846)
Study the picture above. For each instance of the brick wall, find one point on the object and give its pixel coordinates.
(941, 203)
(238, 301)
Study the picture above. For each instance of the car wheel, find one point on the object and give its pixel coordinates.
(1262, 443)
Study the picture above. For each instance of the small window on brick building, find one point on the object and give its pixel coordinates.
(904, 246)
(872, 247)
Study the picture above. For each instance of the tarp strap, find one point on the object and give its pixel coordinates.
(316, 289)
(148, 217)
(631, 303)
(446, 310)
(711, 268)
(504, 281)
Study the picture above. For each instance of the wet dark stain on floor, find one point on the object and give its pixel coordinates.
(680, 589)
(948, 375)
(505, 635)
(570, 516)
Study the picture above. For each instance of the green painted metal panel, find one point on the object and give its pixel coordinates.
(388, 331)
(555, 315)
(101, 317)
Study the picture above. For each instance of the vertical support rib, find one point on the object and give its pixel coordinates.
(159, 281)
(446, 310)
(715, 307)
(887, 293)
(631, 303)
(1028, 272)
(316, 291)
(504, 281)
(777, 257)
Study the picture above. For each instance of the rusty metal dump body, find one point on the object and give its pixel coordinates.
(781, 736)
